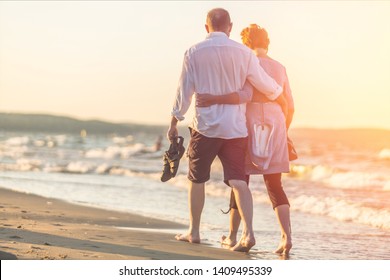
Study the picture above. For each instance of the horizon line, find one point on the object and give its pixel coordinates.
(128, 122)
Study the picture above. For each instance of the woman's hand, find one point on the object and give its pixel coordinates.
(205, 100)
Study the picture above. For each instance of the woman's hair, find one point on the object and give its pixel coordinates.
(255, 37)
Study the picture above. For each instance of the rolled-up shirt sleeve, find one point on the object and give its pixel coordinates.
(185, 90)
(245, 94)
(261, 80)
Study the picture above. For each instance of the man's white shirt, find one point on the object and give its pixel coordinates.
(219, 65)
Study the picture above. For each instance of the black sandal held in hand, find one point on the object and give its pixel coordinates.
(172, 158)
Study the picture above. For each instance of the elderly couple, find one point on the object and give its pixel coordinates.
(235, 97)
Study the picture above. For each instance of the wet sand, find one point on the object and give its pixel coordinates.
(38, 228)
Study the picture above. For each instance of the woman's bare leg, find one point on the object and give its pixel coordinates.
(234, 224)
(283, 216)
(244, 201)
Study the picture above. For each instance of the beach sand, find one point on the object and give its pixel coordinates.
(38, 228)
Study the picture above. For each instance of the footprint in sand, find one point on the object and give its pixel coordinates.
(90, 245)
(15, 237)
(62, 256)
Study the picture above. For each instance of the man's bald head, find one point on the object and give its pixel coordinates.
(218, 19)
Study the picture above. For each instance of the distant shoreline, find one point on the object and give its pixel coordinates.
(47, 123)
(17, 122)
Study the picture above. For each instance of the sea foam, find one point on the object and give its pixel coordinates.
(384, 154)
(342, 210)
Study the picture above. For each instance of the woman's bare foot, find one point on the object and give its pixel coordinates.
(228, 242)
(283, 216)
(188, 238)
(284, 247)
(244, 245)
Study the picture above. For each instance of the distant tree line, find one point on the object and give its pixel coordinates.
(13, 122)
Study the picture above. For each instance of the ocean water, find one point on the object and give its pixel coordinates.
(339, 188)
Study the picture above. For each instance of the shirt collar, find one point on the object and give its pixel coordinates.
(216, 34)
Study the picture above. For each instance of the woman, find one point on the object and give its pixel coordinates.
(268, 123)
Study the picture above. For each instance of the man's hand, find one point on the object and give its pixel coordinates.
(172, 133)
(204, 100)
(172, 130)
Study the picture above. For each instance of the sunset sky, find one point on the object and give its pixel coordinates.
(120, 61)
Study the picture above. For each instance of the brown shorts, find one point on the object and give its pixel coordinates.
(202, 151)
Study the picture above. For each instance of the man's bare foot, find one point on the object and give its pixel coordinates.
(244, 245)
(187, 238)
(284, 247)
(227, 242)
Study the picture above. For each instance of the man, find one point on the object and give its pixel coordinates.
(219, 65)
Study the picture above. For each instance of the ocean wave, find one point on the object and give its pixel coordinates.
(13, 151)
(384, 154)
(342, 210)
(79, 167)
(180, 180)
(22, 165)
(83, 167)
(340, 179)
(122, 140)
(387, 186)
(17, 141)
(103, 168)
(50, 143)
(355, 180)
(50, 168)
(113, 152)
(312, 172)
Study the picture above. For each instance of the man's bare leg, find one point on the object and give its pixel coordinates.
(245, 207)
(196, 198)
(234, 224)
(283, 216)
